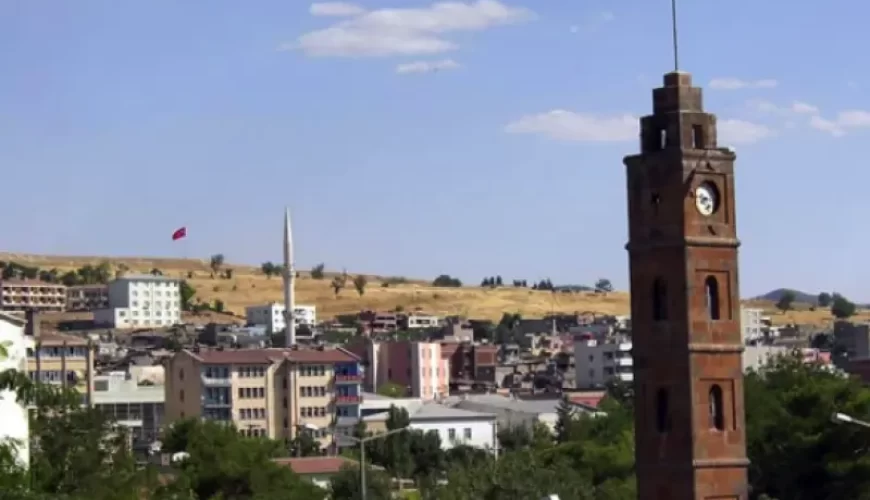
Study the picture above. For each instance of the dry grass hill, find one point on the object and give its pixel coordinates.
(249, 286)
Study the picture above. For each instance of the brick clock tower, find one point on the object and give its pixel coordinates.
(685, 306)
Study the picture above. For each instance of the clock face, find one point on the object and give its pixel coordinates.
(706, 199)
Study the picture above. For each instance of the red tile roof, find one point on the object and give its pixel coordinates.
(268, 356)
(316, 465)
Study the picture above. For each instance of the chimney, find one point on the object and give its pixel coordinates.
(32, 327)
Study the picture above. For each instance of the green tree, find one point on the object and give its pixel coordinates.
(824, 299)
(447, 281)
(187, 294)
(603, 285)
(156, 272)
(216, 262)
(360, 282)
(221, 463)
(796, 451)
(392, 390)
(786, 300)
(304, 445)
(269, 269)
(346, 484)
(566, 421)
(317, 272)
(841, 307)
(338, 283)
(218, 306)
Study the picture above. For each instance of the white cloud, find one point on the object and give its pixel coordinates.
(565, 125)
(592, 23)
(406, 31)
(426, 66)
(337, 9)
(803, 108)
(737, 84)
(844, 121)
(742, 132)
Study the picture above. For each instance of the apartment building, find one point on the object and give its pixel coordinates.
(598, 362)
(87, 297)
(13, 414)
(267, 392)
(136, 406)
(25, 295)
(61, 359)
(751, 324)
(141, 301)
(272, 316)
(418, 366)
(470, 363)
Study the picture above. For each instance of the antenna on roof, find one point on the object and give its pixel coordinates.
(674, 33)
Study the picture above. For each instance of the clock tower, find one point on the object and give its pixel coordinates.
(685, 306)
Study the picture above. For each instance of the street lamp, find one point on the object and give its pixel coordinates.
(362, 454)
(842, 418)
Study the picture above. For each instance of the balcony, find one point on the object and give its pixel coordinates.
(624, 361)
(348, 379)
(348, 400)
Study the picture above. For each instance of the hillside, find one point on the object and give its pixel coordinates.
(249, 286)
(799, 296)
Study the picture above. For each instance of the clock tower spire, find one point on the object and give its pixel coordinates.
(685, 306)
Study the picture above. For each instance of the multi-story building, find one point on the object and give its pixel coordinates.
(25, 295)
(141, 301)
(61, 359)
(272, 316)
(13, 414)
(133, 405)
(87, 297)
(750, 322)
(416, 320)
(417, 366)
(268, 392)
(470, 363)
(598, 362)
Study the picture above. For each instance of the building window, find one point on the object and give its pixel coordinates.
(451, 434)
(181, 374)
(697, 137)
(663, 139)
(711, 288)
(467, 433)
(663, 416)
(659, 300)
(717, 416)
(181, 395)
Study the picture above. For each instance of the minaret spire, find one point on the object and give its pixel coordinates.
(289, 283)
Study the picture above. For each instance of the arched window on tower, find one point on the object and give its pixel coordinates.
(659, 300)
(711, 289)
(663, 412)
(717, 415)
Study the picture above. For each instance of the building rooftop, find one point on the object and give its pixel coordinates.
(57, 338)
(433, 411)
(316, 465)
(273, 355)
(28, 282)
(145, 277)
(15, 319)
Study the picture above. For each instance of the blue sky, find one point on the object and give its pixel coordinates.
(471, 139)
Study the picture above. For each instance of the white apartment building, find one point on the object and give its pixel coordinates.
(750, 323)
(422, 321)
(454, 426)
(272, 316)
(133, 404)
(142, 301)
(16, 427)
(598, 362)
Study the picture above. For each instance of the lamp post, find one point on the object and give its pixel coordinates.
(362, 455)
(842, 418)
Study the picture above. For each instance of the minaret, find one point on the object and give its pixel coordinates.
(289, 283)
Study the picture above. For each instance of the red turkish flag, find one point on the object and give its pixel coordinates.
(179, 233)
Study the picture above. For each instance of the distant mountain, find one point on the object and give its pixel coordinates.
(799, 296)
